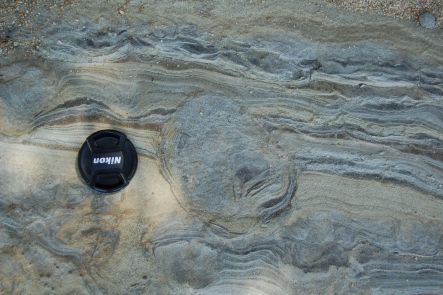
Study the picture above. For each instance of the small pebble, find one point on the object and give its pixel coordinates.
(427, 20)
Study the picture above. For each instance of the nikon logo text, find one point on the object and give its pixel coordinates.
(107, 160)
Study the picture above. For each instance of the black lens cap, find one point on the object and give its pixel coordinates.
(107, 161)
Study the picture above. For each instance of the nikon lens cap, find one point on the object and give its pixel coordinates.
(107, 161)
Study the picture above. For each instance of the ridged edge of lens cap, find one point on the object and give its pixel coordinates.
(107, 161)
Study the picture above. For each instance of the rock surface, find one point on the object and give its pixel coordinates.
(287, 147)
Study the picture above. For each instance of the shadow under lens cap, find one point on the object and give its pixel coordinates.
(107, 161)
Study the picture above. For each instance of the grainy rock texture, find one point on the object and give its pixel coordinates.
(427, 13)
(285, 147)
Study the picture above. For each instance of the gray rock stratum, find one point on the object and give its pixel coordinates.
(287, 147)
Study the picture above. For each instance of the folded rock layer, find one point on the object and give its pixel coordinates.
(287, 147)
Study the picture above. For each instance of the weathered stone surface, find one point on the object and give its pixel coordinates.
(286, 147)
(234, 175)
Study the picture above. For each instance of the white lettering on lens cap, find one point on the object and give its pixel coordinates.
(107, 160)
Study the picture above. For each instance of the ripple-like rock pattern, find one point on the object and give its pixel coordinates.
(283, 149)
(212, 133)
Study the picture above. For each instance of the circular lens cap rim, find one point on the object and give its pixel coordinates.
(124, 169)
